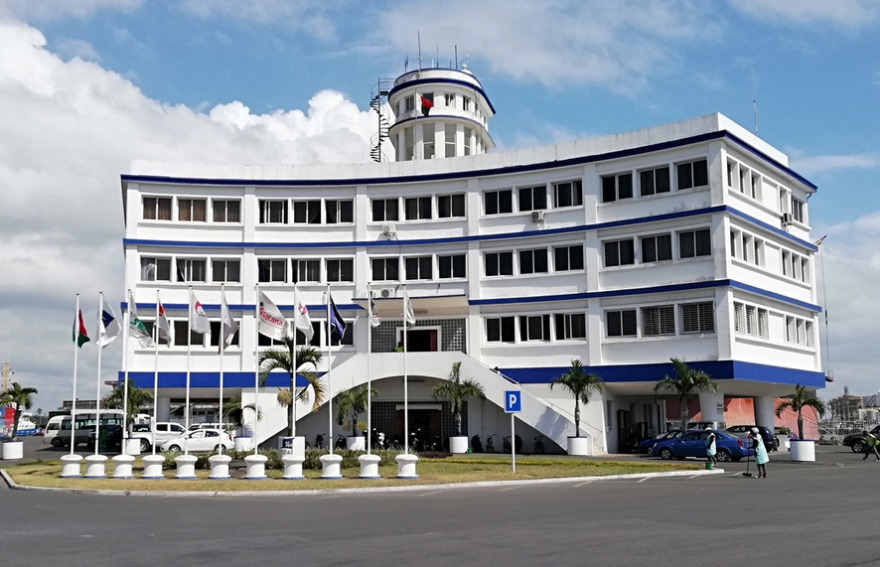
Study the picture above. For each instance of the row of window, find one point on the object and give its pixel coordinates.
(659, 320)
(450, 100)
(750, 320)
(798, 331)
(654, 181)
(183, 337)
(192, 209)
(752, 184)
(657, 248)
(751, 249)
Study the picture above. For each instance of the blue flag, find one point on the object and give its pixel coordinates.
(337, 325)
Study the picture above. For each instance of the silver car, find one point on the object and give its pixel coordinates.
(201, 440)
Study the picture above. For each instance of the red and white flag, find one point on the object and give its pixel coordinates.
(198, 319)
(228, 325)
(301, 319)
(163, 325)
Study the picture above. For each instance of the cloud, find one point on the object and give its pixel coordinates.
(45, 10)
(70, 48)
(70, 129)
(309, 16)
(812, 165)
(848, 14)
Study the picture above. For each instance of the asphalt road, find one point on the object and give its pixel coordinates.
(822, 514)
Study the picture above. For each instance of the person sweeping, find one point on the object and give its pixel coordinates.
(761, 456)
(711, 452)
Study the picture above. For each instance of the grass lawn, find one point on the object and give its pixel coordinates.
(458, 469)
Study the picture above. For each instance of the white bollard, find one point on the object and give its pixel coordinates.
(153, 467)
(256, 467)
(219, 467)
(13, 450)
(96, 466)
(331, 467)
(186, 467)
(132, 447)
(70, 466)
(369, 466)
(406, 466)
(293, 467)
(122, 466)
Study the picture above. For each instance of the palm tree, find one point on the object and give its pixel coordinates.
(137, 399)
(581, 385)
(234, 411)
(284, 359)
(797, 402)
(18, 397)
(685, 384)
(350, 404)
(456, 390)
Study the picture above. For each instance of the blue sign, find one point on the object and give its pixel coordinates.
(512, 401)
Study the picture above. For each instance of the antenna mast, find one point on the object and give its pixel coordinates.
(755, 108)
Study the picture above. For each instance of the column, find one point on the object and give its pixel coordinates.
(712, 406)
(765, 407)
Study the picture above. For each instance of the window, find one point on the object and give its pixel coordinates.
(468, 141)
(500, 330)
(656, 248)
(568, 258)
(226, 210)
(273, 212)
(692, 174)
(336, 211)
(449, 99)
(155, 269)
(620, 323)
(157, 208)
(192, 210)
(798, 331)
(619, 252)
(450, 140)
(182, 336)
(533, 261)
(693, 243)
(428, 140)
(568, 194)
(225, 270)
(419, 268)
(750, 320)
(385, 269)
(797, 210)
(189, 270)
(149, 325)
(533, 198)
(304, 270)
(307, 212)
(216, 334)
(340, 270)
(616, 187)
(272, 270)
(409, 103)
(449, 206)
(417, 208)
(658, 320)
(498, 202)
(385, 210)
(571, 326)
(698, 317)
(408, 144)
(452, 266)
(499, 263)
(534, 327)
(654, 181)
(466, 104)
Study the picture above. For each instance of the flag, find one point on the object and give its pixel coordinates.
(136, 328)
(198, 319)
(272, 323)
(109, 328)
(821, 240)
(228, 325)
(302, 321)
(163, 326)
(80, 335)
(374, 319)
(409, 316)
(427, 105)
(337, 325)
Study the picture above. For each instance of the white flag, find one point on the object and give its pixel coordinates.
(374, 319)
(136, 328)
(409, 316)
(228, 325)
(109, 328)
(163, 325)
(198, 319)
(302, 321)
(272, 323)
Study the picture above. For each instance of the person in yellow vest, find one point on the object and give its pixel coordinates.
(870, 445)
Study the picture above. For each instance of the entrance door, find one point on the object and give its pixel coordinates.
(624, 431)
(422, 340)
(424, 427)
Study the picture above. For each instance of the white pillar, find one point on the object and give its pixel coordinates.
(712, 406)
(765, 407)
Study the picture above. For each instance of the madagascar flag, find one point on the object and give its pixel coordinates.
(427, 105)
(80, 335)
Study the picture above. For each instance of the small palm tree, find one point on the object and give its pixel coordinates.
(18, 397)
(686, 383)
(284, 359)
(581, 385)
(234, 412)
(797, 402)
(456, 390)
(350, 404)
(137, 399)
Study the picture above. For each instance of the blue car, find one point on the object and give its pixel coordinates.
(693, 444)
(646, 444)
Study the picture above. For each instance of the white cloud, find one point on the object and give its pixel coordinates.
(70, 48)
(43, 10)
(70, 129)
(812, 165)
(848, 14)
(309, 16)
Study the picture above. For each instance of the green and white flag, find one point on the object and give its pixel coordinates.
(136, 328)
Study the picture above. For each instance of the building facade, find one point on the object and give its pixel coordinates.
(689, 240)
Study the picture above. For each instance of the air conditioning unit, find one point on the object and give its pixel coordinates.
(787, 219)
(389, 230)
(387, 292)
(537, 216)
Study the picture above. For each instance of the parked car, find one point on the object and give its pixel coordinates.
(113, 433)
(771, 442)
(646, 444)
(165, 430)
(201, 440)
(693, 444)
(856, 441)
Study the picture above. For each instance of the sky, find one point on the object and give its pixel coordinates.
(87, 86)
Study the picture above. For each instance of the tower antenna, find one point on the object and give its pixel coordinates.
(419, 36)
(755, 108)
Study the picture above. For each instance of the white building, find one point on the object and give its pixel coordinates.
(688, 240)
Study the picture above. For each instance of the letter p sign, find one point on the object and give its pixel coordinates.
(512, 401)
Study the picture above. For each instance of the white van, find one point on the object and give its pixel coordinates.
(85, 423)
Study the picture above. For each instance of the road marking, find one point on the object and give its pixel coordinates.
(583, 484)
(431, 493)
(643, 480)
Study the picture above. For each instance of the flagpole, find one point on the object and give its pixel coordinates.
(155, 375)
(293, 366)
(125, 382)
(75, 365)
(329, 369)
(98, 386)
(188, 353)
(256, 363)
(222, 339)
(126, 327)
(369, 370)
(405, 382)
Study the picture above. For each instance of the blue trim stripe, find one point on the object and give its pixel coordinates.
(212, 379)
(444, 81)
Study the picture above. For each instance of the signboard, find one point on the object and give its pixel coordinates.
(512, 401)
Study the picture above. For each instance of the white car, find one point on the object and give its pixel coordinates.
(202, 440)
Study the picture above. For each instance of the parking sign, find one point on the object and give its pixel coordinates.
(512, 401)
